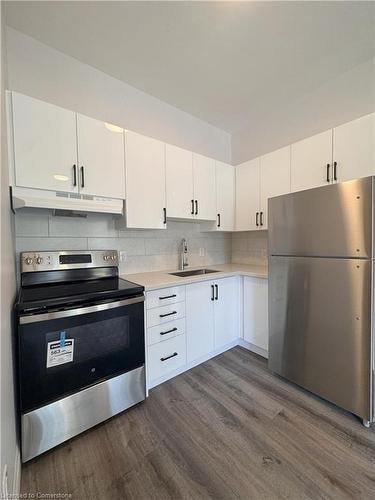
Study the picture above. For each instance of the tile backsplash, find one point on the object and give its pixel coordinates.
(146, 250)
(250, 247)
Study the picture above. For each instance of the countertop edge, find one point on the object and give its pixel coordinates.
(179, 281)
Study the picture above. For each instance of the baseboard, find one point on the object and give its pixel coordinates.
(253, 348)
(17, 474)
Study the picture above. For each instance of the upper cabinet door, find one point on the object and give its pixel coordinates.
(145, 182)
(45, 145)
(354, 148)
(225, 191)
(311, 162)
(101, 158)
(179, 176)
(274, 179)
(204, 176)
(247, 195)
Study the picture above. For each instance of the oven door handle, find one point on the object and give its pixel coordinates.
(78, 311)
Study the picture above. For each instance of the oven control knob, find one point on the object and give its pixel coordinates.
(29, 261)
(39, 260)
(106, 257)
(113, 257)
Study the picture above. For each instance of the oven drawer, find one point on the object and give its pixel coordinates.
(165, 296)
(161, 333)
(165, 314)
(165, 357)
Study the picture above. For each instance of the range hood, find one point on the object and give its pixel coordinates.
(39, 198)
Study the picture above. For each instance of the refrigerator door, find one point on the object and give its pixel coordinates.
(331, 221)
(320, 327)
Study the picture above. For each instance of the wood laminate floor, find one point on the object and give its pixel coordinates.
(225, 429)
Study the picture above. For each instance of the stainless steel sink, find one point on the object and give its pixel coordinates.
(194, 272)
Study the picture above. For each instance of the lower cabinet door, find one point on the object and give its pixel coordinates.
(167, 356)
(199, 319)
(255, 308)
(226, 311)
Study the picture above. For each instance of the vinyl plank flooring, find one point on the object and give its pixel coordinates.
(227, 429)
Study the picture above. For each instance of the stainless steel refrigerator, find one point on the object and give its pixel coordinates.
(321, 251)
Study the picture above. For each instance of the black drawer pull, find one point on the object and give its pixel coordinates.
(218, 220)
(168, 297)
(192, 207)
(82, 177)
(196, 207)
(217, 292)
(212, 292)
(74, 175)
(169, 357)
(261, 218)
(335, 170)
(164, 215)
(169, 331)
(257, 219)
(328, 177)
(167, 314)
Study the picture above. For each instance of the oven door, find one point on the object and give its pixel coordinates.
(61, 352)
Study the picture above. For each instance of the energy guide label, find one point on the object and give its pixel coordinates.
(58, 354)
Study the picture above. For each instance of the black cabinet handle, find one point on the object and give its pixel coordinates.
(212, 292)
(82, 177)
(335, 170)
(168, 297)
(217, 292)
(261, 218)
(167, 314)
(218, 220)
(165, 215)
(169, 357)
(257, 219)
(196, 207)
(74, 175)
(328, 177)
(169, 331)
(192, 207)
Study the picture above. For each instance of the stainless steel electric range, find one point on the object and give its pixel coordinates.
(81, 352)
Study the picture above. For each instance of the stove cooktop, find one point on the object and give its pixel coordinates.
(63, 294)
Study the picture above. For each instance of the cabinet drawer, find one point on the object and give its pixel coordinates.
(165, 296)
(164, 332)
(166, 357)
(165, 314)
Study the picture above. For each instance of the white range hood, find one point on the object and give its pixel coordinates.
(39, 198)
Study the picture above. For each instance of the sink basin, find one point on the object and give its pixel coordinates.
(194, 272)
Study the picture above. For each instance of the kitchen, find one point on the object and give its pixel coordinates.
(146, 226)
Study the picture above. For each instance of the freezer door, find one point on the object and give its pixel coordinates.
(330, 221)
(320, 327)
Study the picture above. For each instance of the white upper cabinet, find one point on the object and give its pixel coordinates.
(225, 192)
(45, 145)
(204, 176)
(145, 182)
(179, 182)
(274, 179)
(311, 162)
(100, 158)
(354, 149)
(247, 195)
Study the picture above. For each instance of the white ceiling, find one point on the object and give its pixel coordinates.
(227, 63)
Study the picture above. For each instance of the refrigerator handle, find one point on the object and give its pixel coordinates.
(257, 219)
(328, 176)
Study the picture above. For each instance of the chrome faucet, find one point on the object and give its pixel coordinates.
(184, 254)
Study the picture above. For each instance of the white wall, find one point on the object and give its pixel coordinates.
(42, 72)
(9, 445)
(345, 98)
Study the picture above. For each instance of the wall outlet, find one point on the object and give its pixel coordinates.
(123, 256)
(201, 252)
(4, 483)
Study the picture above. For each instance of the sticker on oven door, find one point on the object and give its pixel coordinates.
(59, 353)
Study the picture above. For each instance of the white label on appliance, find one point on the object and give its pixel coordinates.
(58, 354)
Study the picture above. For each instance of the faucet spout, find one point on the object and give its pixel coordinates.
(184, 254)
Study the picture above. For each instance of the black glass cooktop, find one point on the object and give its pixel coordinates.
(64, 294)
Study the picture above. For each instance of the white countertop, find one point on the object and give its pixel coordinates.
(162, 279)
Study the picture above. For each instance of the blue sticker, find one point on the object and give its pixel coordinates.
(62, 339)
